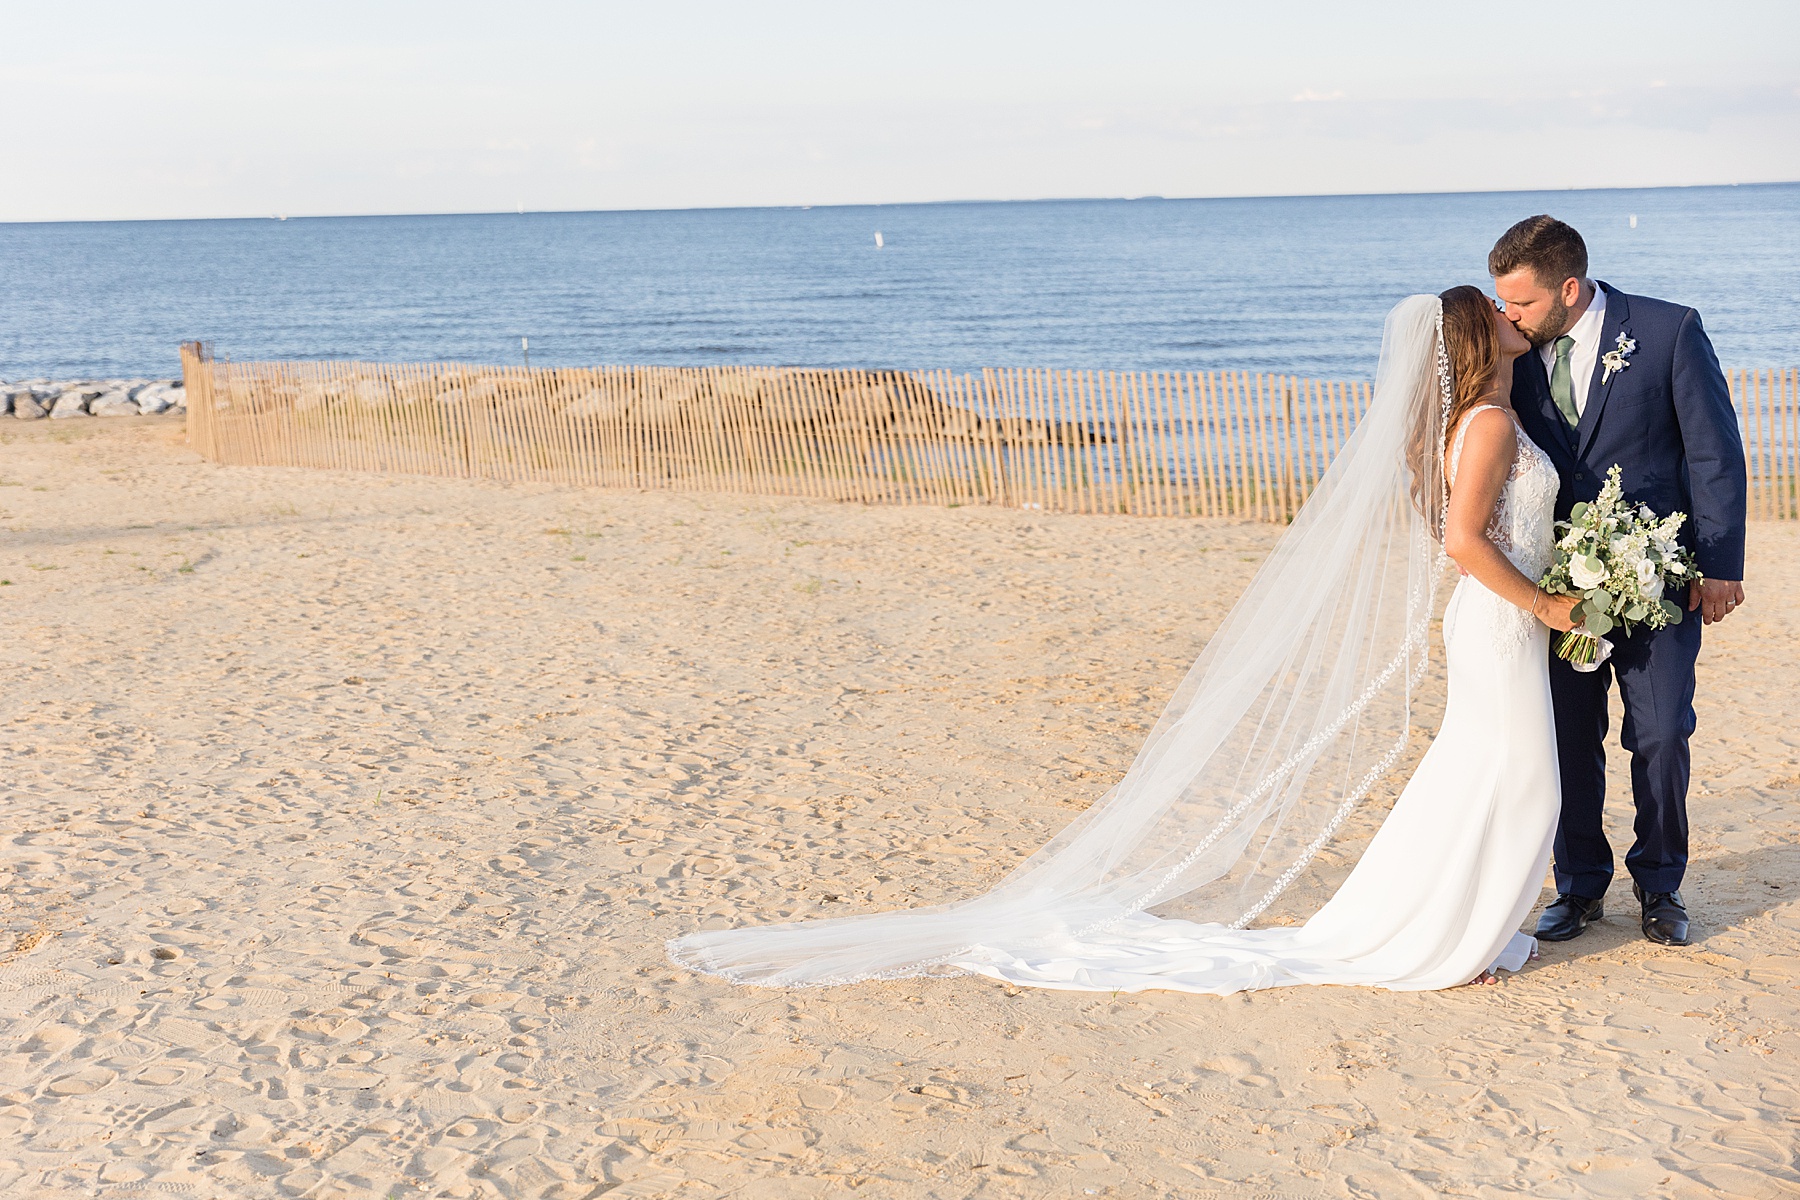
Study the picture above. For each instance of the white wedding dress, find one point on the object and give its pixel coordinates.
(1439, 894)
(1299, 705)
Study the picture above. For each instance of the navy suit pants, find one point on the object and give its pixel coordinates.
(1655, 670)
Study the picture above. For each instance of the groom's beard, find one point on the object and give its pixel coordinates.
(1556, 323)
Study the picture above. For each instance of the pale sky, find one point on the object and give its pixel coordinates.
(132, 110)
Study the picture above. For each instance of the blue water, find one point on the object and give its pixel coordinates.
(1292, 285)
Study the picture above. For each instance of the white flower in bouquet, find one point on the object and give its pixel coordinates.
(1586, 572)
(1649, 579)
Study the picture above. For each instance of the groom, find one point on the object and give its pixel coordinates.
(1628, 380)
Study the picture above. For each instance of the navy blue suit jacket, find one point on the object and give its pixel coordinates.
(1666, 420)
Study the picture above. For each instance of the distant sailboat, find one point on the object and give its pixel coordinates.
(878, 241)
(1634, 220)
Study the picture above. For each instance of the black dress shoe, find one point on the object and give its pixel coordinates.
(1665, 917)
(1568, 917)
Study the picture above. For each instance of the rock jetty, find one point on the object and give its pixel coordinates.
(32, 399)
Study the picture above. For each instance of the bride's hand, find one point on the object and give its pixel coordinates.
(1554, 611)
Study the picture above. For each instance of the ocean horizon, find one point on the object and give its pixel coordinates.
(1294, 284)
(877, 204)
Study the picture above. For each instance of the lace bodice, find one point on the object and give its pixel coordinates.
(1523, 527)
(1522, 524)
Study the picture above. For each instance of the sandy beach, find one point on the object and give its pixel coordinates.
(346, 816)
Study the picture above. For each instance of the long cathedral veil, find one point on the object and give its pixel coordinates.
(1298, 705)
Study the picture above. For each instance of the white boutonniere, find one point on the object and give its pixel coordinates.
(1618, 358)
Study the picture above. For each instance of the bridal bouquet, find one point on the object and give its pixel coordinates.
(1619, 559)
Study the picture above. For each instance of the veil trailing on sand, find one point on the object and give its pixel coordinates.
(1292, 713)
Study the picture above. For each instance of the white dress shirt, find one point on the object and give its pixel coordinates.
(1586, 352)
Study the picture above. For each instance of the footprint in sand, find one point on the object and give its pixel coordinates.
(1240, 1069)
(81, 1083)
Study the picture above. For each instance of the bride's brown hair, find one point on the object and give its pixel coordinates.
(1474, 352)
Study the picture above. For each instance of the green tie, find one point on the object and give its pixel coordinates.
(1562, 382)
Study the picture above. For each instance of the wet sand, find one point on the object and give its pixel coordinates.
(346, 817)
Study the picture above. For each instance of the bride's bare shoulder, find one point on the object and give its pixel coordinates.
(1485, 444)
(1489, 427)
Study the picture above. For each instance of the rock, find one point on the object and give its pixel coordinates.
(5, 402)
(113, 403)
(372, 393)
(317, 395)
(153, 398)
(72, 403)
(597, 402)
(33, 400)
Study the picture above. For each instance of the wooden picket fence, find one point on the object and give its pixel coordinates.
(1768, 409)
(1215, 443)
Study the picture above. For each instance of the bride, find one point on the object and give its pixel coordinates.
(1296, 709)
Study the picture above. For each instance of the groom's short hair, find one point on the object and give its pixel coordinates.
(1553, 251)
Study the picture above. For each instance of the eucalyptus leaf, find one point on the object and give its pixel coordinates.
(1579, 512)
(1599, 624)
(1636, 612)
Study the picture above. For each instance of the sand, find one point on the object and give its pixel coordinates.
(346, 816)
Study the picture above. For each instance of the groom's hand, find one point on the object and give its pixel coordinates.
(1715, 598)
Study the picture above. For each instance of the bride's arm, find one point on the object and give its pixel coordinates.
(1489, 446)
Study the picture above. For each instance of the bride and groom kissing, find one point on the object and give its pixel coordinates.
(1488, 424)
